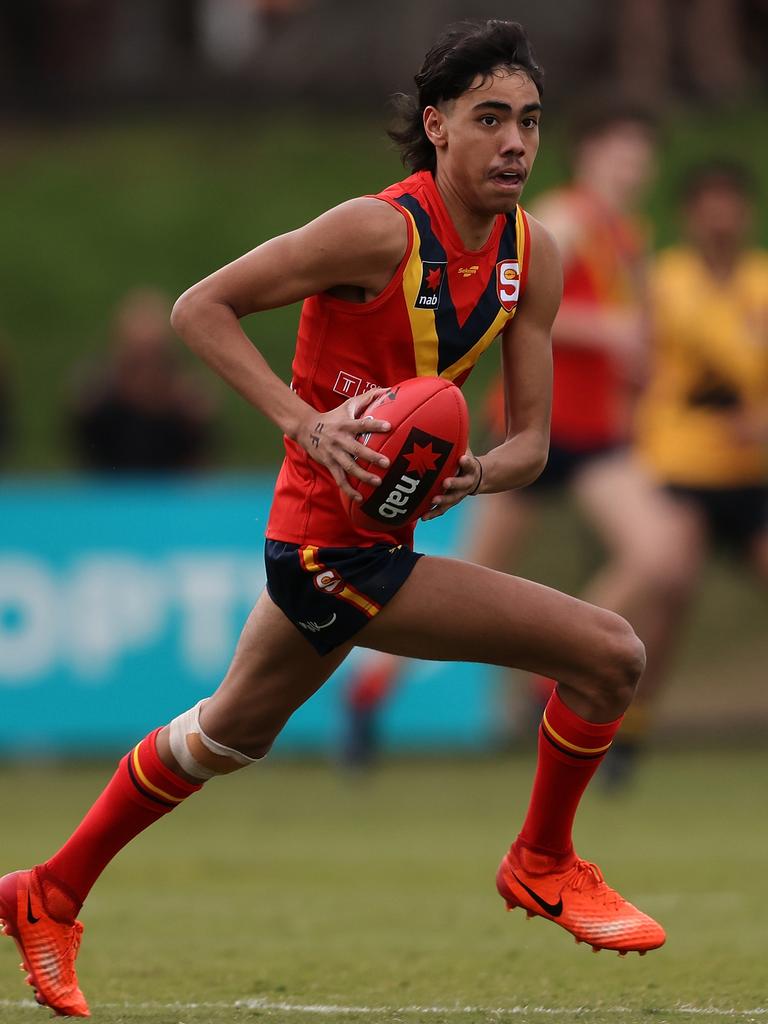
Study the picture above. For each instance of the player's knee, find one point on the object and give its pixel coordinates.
(622, 659)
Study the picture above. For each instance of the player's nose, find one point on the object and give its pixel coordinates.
(512, 141)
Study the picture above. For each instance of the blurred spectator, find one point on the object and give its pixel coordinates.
(693, 45)
(703, 423)
(140, 410)
(232, 31)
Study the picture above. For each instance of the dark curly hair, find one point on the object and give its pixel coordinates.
(462, 52)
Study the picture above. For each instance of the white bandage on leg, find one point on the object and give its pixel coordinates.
(188, 724)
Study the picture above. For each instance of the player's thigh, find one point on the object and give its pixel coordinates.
(451, 610)
(655, 535)
(274, 670)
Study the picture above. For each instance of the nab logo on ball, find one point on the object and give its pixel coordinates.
(410, 478)
(432, 277)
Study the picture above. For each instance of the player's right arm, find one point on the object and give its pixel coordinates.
(357, 245)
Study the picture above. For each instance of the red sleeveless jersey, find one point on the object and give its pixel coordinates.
(591, 399)
(441, 310)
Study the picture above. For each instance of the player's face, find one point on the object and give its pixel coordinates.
(487, 139)
(619, 163)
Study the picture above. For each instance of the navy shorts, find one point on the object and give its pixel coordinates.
(734, 516)
(331, 593)
(564, 463)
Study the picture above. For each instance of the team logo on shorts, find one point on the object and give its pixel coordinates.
(508, 283)
(409, 479)
(432, 277)
(328, 581)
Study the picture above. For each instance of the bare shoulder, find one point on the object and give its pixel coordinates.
(544, 287)
(543, 242)
(366, 227)
(545, 252)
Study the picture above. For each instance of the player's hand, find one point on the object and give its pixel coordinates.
(330, 438)
(456, 488)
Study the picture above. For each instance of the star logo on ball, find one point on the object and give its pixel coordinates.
(423, 459)
(433, 278)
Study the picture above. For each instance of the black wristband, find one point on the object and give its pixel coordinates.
(476, 488)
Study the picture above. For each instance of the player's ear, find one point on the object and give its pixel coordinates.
(435, 126)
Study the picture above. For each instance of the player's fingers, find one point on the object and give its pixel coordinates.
(356, 411)
(358, 404)
(434, 512)
(369, 425)
(459, 485)
(351, 468)
(345, 487)
(369, 455)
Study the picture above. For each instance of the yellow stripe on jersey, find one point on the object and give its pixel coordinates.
(423, 329)
(469, 358)
(147, 784)
(572, 746)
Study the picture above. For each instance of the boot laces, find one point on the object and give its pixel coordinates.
(586, 875)
(70, 951)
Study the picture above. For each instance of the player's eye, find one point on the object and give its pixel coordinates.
(530, 122)
(489, 120)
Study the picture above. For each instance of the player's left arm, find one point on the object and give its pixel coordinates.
(527, 362)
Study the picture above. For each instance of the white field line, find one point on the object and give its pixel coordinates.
(323, 1009)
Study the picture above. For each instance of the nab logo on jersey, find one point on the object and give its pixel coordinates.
(508, 283)
(432, 277)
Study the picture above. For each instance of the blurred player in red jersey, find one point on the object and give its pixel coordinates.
(599, 362)
(374, 313)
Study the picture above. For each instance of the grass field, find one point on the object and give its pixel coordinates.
(291, 894)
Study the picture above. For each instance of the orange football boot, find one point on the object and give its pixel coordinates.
(48, 947)
(575, 896)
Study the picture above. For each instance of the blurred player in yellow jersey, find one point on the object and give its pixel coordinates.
(702, 429)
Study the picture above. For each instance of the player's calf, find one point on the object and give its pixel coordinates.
(197, 754)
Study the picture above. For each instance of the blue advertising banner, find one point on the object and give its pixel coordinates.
(121, 603)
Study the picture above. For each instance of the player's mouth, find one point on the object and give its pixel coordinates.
(511, 178)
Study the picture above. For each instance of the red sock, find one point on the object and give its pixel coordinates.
(570, 750)
(141, 791)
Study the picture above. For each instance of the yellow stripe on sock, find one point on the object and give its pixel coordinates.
(572, 746)
(145, 781)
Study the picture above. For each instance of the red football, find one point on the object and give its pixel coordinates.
(430, 428)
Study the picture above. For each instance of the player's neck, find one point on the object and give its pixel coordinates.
(473, 228)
